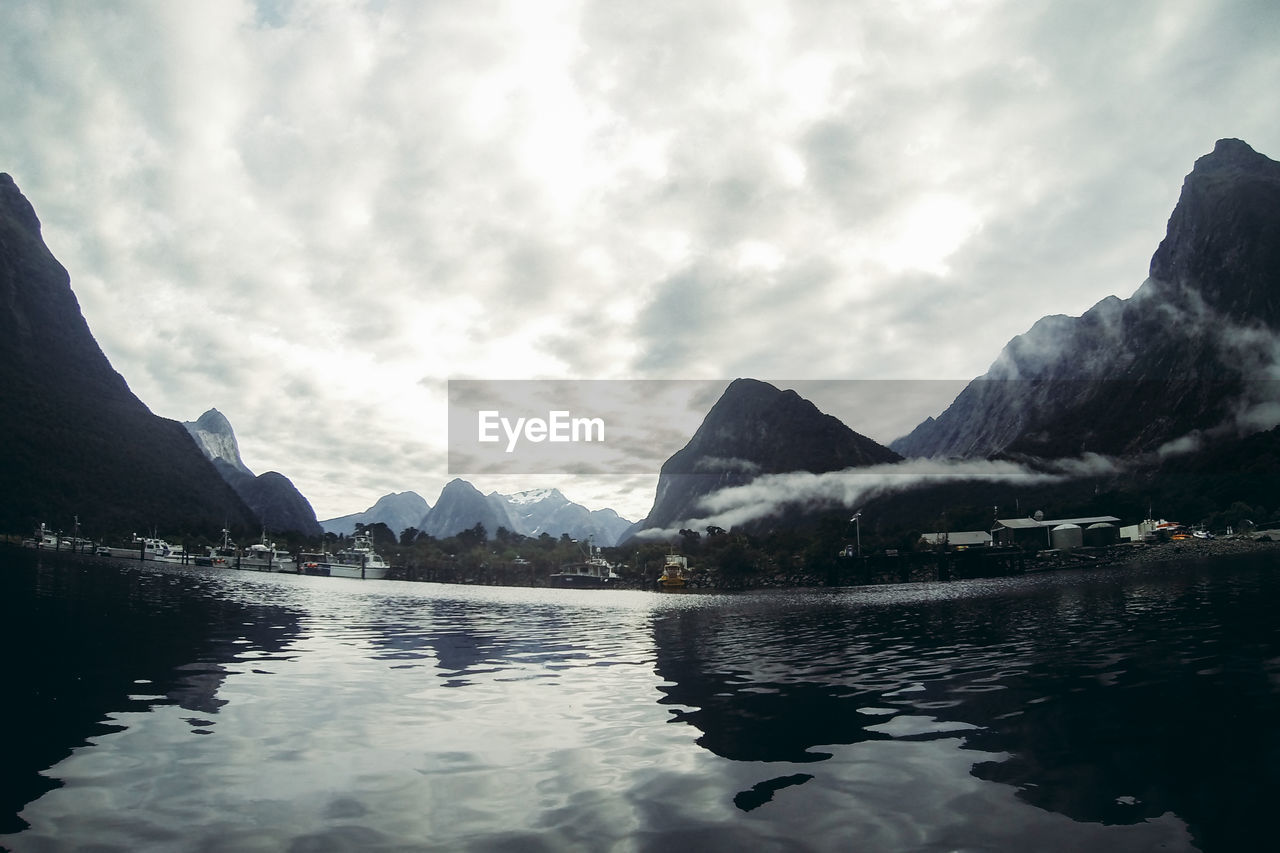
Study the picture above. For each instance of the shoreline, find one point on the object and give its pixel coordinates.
(919, 567)
(1142, 553)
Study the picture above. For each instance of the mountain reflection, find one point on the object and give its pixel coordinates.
(718, 669)
(1116, 697)
(464, 638)
(86, 640)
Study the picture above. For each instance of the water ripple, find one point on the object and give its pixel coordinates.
(1026, 713)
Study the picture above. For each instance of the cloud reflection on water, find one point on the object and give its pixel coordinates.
(380, 714)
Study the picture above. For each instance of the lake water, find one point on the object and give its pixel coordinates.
(171, 708)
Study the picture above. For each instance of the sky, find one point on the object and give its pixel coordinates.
(314, 215)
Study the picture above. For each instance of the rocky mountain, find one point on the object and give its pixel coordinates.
(398, 511)
(1191, 357)
(462, 506)
(74, 440)
(549, 511)
(278, 504)
(216, 439)
(753, 429)
(531, 513)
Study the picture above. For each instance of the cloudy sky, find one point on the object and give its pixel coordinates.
(311, 215)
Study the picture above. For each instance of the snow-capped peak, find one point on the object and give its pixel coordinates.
(533, 496)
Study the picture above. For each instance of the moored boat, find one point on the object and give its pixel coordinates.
(44, 537)
(266, 557)
(223, 554)
(175, 554)
(358, 561)
(674, 572)
(595, 572)
(315, 563)
(143, 547)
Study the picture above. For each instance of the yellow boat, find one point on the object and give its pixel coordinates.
(673, 572)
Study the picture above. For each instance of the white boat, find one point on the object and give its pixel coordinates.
(45, 538)
(264, 557)
(144, 547)
(595, 572)
(176, 554)
(358, 561)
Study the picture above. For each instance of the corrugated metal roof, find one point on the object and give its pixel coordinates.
(1082, 521)
(1027, 523)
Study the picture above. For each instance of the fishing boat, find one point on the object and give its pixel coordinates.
(45, 537)
(144, 547)
(674, 572)
(315, 563)
(176, 554)
(264, 557)
(223, 554)
(595, 572)
(358, 561)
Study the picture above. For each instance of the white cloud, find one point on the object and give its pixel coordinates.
(768, 495)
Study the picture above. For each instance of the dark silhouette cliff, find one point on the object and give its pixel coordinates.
(1192, 356)
(754, 429)
(74, 440)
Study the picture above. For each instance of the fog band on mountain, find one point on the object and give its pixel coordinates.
(770, 494)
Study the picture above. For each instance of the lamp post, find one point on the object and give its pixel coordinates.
(858, 529)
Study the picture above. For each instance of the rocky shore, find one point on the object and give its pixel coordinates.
(925, 568)
(1157, 552)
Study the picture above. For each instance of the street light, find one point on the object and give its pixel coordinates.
(858, 529)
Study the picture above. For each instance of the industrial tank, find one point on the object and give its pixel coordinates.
(1064, 537)
(1101, 534)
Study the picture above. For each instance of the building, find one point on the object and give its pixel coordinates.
(1149, 529)
(1037, 533)
(958, 541)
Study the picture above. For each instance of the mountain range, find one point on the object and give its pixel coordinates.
(1194, 354)
(1186, 365)
(76, 442)
(1186, 368)
(398, 511)
(540, 511)
(272, 496)
(461, 506)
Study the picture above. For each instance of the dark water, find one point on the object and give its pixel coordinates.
(210, 710)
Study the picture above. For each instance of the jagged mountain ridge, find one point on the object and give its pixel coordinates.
(549, 511)
(75, 441)
(398, 511)
(754, 429)
(461, 506)
(531, 513)
(1192, 354)
(272, 496)
(216, 439)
